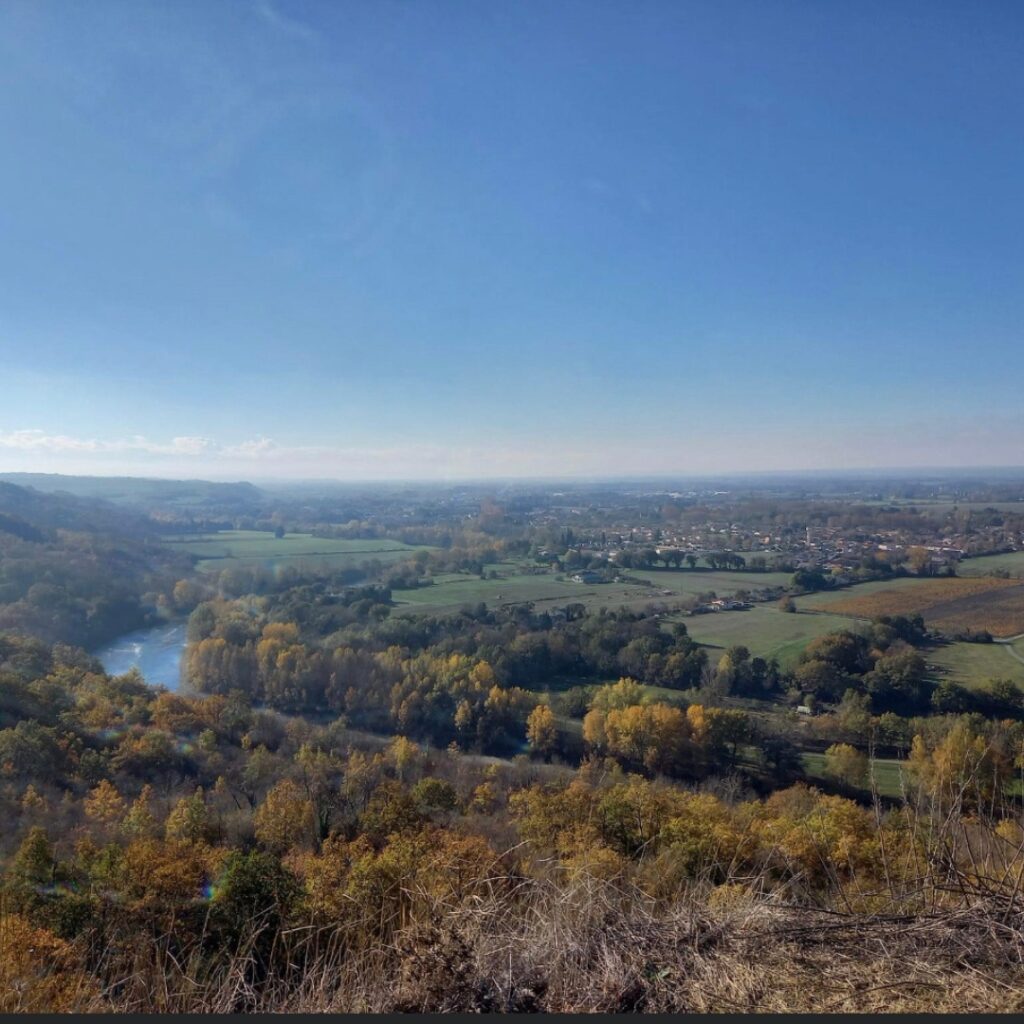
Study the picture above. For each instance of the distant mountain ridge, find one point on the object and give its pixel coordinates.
(127, 490)
(29, 513)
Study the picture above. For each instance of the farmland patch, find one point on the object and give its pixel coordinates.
(948, 604)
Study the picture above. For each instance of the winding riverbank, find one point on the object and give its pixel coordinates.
(155, 651)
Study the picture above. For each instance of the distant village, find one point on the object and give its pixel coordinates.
(925, 544)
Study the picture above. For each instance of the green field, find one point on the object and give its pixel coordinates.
(684, 583)
(764, 630)
(967, 664)
(450, 592)
(231, 548)
(886, 771)
(1013, 563)
(975, 664)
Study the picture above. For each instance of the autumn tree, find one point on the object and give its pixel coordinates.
(285, 818)
(139, 822)
(405, 755)
(541, 730)
(39, 972)
(594, 729)
(191, 821)
(622, 694)
(846, 764)
(104, 804)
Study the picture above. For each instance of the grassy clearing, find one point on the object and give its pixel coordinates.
(450, 592)
(764, 630)
(230, 548)
(948, 604)
(1013, 563)
(976, 664)
(887, 772)
(685, 583)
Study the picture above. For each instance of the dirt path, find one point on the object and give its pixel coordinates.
(1013, 654)
(1008, 642)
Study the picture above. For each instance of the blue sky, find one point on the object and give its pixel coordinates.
(425, 239)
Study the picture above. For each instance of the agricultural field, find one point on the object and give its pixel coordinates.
(453, 590)
(764, 630)
(1012, 562)
(690, 583)
(977, 664)
(249, 548)
(450, 592)
(826, 600)
(948, 604)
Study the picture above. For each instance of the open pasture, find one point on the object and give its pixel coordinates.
(452, 591)
(948, 604)
(977, 664)
(690, 583)
(1012, 562)
(227, 548)
(764, 630)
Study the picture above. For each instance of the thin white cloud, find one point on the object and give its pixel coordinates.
(37, 449)
(947, 443)
(285, 23)
(39, 441)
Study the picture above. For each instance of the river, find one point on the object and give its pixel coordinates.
(155, 652)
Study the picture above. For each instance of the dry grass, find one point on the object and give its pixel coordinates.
(943, 933)
(598, 946)
(951, 605)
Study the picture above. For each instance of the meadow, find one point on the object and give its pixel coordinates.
(764, 630)
(948, 604)
(227, 548)
(513, 586)
(1011, 562)
(690, 583)
(976, 664)
(886, 772)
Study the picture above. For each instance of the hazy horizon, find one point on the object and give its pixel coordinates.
(444, 241)
(870, 473)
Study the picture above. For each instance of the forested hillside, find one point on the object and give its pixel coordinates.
(183, 853)
(78, 571)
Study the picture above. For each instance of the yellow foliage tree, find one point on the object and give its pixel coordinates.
(594, 729)
(617, 696)
(104, 804)
(286, 818)
(404, 755)
(39, 973)
(161, 877)
(846, 764)
(541, 730)
(963, 767)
